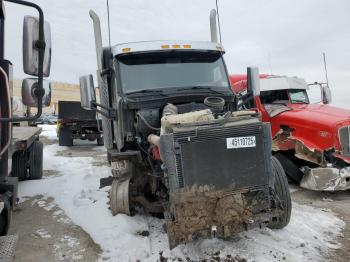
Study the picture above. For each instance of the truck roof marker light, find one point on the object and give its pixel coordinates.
(187, 46)
(176, 46)
(126, 50)
(165, 46)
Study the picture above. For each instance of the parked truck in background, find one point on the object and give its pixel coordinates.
(311, 140)
(75, 122)
(176, 143)
(35, 93)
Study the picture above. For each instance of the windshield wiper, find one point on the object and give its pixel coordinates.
(206, 88)
(299, 102)
(147, 91)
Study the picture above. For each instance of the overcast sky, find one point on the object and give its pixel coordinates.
(284, 37)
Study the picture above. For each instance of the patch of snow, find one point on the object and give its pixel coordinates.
(64, 220)
(49, 206)
(327, 199)
(49, 131)
(67, 249)
(43, 233)
(77, 257)
(293, 188)
(57, 213)
(60, 255)
(310, 233)
(70, 241)
(41, 203)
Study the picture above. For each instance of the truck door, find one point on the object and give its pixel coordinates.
(5, 111)
(5, 127)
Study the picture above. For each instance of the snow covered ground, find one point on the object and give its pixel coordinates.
(74, 186)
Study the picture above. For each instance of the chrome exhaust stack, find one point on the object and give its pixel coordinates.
(213, 26)
(98, 37)
(102, 83)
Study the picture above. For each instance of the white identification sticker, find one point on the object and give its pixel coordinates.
(240, 142)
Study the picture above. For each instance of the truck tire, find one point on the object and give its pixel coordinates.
(36, 160)
(5, 217)
(283, 203)
(291, 169)
(65, 137)
(100, 141)
(19, 165)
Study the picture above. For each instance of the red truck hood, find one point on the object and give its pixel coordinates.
(316, 115)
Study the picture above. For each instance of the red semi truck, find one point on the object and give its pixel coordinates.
(311, 140)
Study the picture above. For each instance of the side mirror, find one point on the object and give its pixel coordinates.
(29, 98)
(326, 94)
(30, 51)
(87, 92)
(253, 80)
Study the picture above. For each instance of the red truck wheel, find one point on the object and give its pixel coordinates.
(291, 169)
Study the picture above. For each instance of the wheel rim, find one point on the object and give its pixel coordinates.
(119, 197)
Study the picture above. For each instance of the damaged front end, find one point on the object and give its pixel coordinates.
(322, 170)
(218, 185)
(203, 212)
(326, 179)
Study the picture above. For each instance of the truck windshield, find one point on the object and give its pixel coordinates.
(284, 96)
(174, 69)
(298, 96)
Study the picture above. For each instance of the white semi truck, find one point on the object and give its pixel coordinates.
(177, 145)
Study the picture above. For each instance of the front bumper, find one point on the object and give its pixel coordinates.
(326, 179)
(201, 212)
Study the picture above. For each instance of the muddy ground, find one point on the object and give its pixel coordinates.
(47, 234)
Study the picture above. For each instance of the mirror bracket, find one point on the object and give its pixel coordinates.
(107, 72)
(108, 112)
(38, 92)
(253, 88)
(40, 44)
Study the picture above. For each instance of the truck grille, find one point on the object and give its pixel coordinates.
(344, 137)
(202, 157)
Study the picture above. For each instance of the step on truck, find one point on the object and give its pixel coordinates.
(176, 143)
(75, 122)
(311, 140)
(21, 144)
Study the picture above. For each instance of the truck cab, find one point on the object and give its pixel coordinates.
(153, 74)
(310, 139)
(173, 136)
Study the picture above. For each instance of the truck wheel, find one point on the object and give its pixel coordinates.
(5, 218)
(64, 137)
(36, 160)
(291, 169)
(283, 204)
(100, 141)
(119, 197)
(19, 165)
